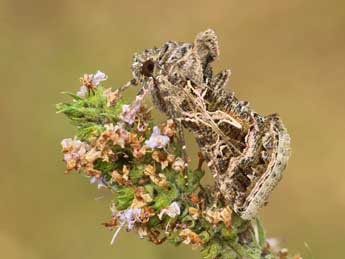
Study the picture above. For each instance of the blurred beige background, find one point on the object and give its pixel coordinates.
(286, 57)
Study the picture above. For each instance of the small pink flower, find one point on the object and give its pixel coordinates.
(126, 217)
(129, 112)
(157, 140)
(91, 81)
(172, 211)
(74, 152)
(98, 77)
(82, 91)
(99, 181)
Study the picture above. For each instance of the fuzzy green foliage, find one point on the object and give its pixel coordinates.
(123, 197)
(89, 114)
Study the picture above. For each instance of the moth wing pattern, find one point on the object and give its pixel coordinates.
(246, 152)
(273, 174)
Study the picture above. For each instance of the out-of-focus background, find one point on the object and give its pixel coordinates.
(286, 57)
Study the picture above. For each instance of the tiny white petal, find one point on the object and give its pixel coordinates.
(156, 140)
(98, 77)
(82, 91)
(116, 233)
(172, 211)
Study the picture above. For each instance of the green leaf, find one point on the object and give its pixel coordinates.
(153, 222)
(91, 109)
(205, 236)
(174, 238)
(149, 189)
(89, 130)
(211, 251)
(136, 173)
(74, 96)
(164, 197)
(124, 197)
(261, 233)
(228, 254)
(194, 178)
(175, 177)
(189, 221)
(228, 234)
(105, 167)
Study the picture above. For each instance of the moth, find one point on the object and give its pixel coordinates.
(246, 152)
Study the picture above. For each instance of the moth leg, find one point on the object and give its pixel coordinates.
(182, 143)
(201, 160)
(132, 82)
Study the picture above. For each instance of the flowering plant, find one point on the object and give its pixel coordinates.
(119, 147)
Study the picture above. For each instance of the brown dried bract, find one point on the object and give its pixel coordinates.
(191, 237)
(219, 215)
(159, 179)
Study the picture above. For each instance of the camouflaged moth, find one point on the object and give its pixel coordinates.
(246, 152)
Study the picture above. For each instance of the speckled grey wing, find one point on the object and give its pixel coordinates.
(273, 174)
(268, 135)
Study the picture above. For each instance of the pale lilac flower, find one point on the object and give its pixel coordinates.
(129, 112)
(172, 211)
(129, 216)
(92, 155)
(91, 81)
(124, 134)
(99, 181)
(157, 140)
(75, 145)
(74, 150)
(274, 244)
(125, 110)
(82, 91)
(67, 143)
(98, 77)
(117, 134)
(126, 217)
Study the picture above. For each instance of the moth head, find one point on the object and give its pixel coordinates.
(144, 63)
(147, 68)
